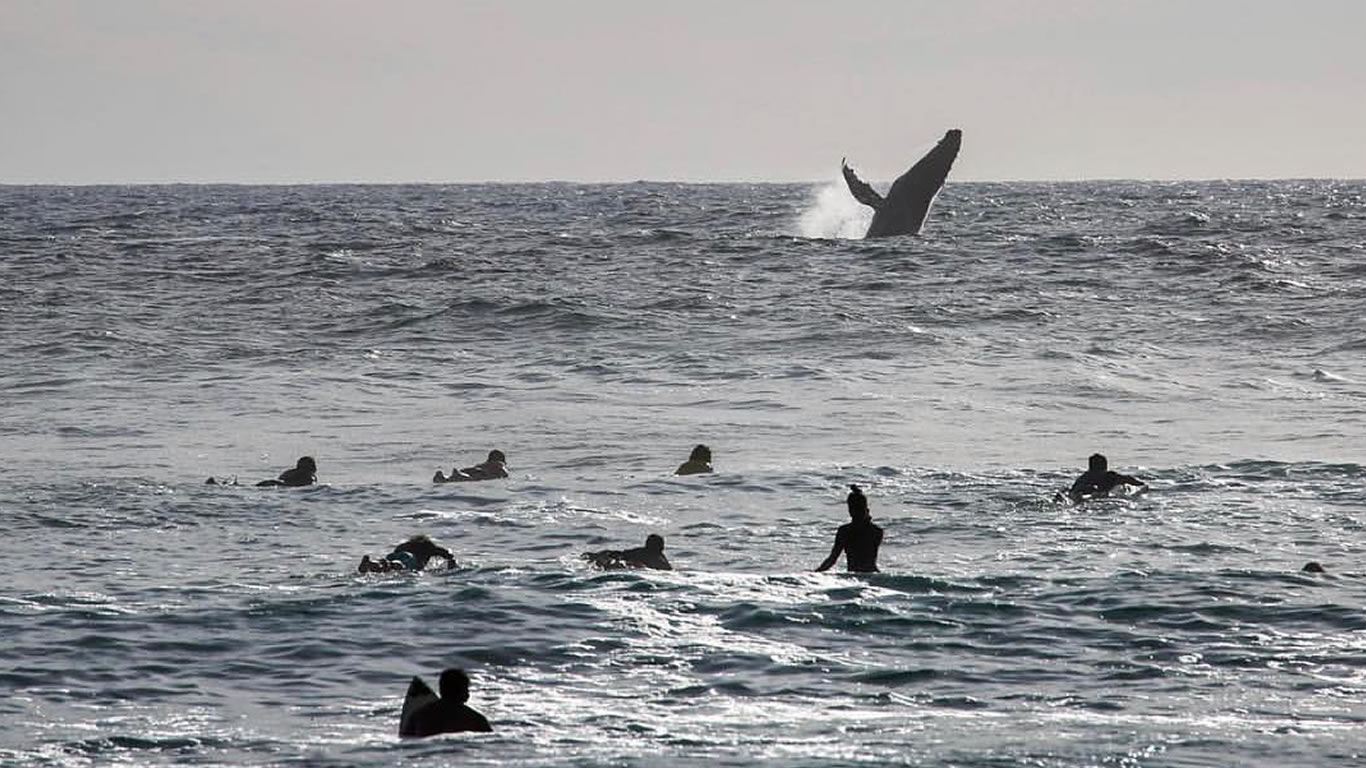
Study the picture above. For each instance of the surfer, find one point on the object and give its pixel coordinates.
(1097, 481)
(699, 462)
(425, 715)
(494, 467)
(858, 540)
(411, 555)
(649, 556)
(305, 472)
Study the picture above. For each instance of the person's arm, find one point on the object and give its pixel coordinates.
(834, 552)
(1081, 487)
(603, 558)
(1130, 480)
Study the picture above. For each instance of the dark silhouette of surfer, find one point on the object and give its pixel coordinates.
(1097, 481)
(859, 539)
(426, 715)
(411, 555)
(699, 462)
(649, 556)
(305, 472)
(492, 468)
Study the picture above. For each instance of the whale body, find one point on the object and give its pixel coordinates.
(903, 210)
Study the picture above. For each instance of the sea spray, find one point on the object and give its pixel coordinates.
(834, 213)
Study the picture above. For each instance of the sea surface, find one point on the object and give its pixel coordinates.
(1207, 336)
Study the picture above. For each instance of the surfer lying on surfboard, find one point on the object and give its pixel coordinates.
(411, 555)
(649, 556)
(305, 472)
(494, 467)
(1097, 481)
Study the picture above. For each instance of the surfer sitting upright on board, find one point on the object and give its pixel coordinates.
(1097, 481)
(858, 540)
(426, 715)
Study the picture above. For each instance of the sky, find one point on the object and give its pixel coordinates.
(304, 91)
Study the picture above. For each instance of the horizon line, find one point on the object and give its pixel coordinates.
(571, 182)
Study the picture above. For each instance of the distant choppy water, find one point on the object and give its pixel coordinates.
(1206, 336)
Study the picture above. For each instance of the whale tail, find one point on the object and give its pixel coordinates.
(903, 209)
(860, 189)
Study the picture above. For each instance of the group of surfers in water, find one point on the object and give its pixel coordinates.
(305, 472)
(859, 541)
(1095, 483)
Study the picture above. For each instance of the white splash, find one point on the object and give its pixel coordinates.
(834, 213)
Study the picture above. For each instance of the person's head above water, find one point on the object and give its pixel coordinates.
(455, 685)
(654, 543)
(496, 455)
(700, 453)
(307, 464)
(1098, 463)
(858, 504)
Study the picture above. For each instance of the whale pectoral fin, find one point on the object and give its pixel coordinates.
(860, 189)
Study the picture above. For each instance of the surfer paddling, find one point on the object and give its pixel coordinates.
(411, 555)
(492, 468)
(1098, 480)
(649, 556)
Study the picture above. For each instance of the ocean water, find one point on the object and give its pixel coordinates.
(1206, 336)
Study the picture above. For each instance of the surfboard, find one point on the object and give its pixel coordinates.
(419, 695)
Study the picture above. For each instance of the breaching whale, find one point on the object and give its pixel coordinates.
(903, 210)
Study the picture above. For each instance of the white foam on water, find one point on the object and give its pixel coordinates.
(833, 213)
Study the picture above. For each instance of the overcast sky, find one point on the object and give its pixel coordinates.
(731, 90)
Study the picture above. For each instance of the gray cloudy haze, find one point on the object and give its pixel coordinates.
(423, 90)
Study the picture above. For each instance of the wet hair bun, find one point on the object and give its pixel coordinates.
(857, 501)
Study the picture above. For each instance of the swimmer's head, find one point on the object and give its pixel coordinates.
(1098, 462)
(496, 455)
(455, 685)
(307, 464)
(700, 453)
(654, 542)
(858, 503)
(1312, 567)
